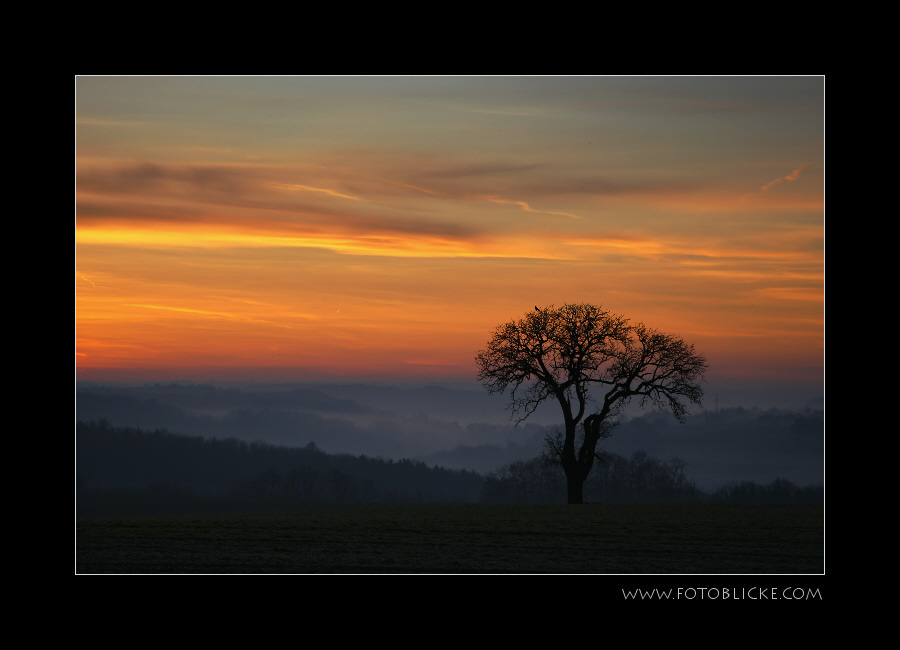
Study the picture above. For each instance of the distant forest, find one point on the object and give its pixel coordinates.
(134, 472)
(459, 428)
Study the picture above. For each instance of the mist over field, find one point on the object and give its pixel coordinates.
(738, 435)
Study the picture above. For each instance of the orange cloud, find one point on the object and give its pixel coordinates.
(794, 175)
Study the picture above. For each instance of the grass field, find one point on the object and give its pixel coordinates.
(590, 539)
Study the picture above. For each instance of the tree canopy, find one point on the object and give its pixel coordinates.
(587, 358)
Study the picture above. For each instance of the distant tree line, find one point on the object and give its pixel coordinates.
(639, 479)
(125, 471)
(778, 491)
(133, 472)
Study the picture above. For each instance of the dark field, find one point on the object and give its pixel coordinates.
(589, 539)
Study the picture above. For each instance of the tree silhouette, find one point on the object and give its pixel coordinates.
(566, 353)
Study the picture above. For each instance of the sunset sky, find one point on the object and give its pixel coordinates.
(291, 228)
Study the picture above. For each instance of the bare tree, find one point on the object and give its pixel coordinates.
(571, 352)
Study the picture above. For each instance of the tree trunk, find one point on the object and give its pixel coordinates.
(575, 488)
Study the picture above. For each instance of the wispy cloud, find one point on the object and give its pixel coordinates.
(186, 310)
(152, 177)
(307, 188)
(525, 206)
(204, 312)
(794, 175)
